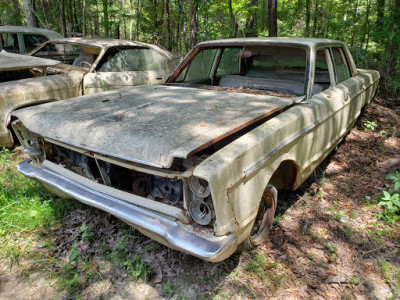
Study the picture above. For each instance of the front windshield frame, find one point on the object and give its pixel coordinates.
(180, 75)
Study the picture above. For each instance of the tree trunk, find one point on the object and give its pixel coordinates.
(308, 17)
(315, 18)
(70, 18)
(83, 18)
(232, 18)
(193, 22)
(272, 19)
(131, 19)
(105, 15)
(354, 26)
(44, 14)
(392, 44)
(31, 20)
(62, 18)
(137, 19)
(17, 7)
(251, 22)
(168, 45)
(155, 23)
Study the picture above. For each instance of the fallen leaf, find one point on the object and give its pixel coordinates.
(203, 124)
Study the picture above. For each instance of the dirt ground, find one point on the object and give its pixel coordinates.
(327, 244)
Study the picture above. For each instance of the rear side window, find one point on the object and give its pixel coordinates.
(229, 63)
(9, 42)
(341, 68)
(138, 59)
(33, 40)
(322, 77)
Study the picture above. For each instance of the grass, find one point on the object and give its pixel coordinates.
(26, 209)
(28, 215)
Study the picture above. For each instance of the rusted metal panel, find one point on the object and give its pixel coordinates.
(12, 61)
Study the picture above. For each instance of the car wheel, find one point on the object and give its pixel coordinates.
(264, 219)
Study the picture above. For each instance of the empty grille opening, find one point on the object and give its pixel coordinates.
(166, 190)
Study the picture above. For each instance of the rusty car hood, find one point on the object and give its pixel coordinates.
(152, 124)
(12, 61)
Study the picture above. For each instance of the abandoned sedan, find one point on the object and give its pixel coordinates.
(196, 163)
(87, 66)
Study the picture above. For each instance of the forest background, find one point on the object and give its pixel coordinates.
(370, 27)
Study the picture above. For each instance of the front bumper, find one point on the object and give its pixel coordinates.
(159, 228)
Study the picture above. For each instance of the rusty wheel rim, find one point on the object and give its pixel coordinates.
(265, 217)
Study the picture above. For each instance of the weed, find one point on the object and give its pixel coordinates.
(256, 264)
(132, 264)
(390, 201)
(354, 280)
(169, 289)
(278, 217)
(395, 177)
(332, 247)
(73, 253)
(370, 125)
(391, 274)
(349, 231)
(338, 215)
(311, 256)
(354, 214)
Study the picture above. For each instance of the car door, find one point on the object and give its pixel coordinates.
(120, 68)
(338, 104)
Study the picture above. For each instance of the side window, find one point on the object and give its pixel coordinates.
(9, 42)
(229, 63)
(139, 59)
(322, 78)
(341, 68)
(200, 67)
(33, 40)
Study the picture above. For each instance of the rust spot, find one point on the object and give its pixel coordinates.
(119, 117)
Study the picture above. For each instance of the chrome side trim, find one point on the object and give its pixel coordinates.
(289, 140)
(160, 228)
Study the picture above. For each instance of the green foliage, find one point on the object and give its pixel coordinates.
(370, 125)
(390, 200)
(332, 247)
(395, 177)
(26, 209)
(122, 257)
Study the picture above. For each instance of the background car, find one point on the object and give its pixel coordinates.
(19, 39)
(87, 66)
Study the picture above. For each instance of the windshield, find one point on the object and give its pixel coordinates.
(274, 68)
(68, 54)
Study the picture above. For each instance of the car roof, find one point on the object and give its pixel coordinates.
(98, 42)
(305, 42)
(49, 33)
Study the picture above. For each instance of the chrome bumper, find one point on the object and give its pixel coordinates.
(160, 228)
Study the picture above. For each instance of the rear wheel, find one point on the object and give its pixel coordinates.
(264, 219)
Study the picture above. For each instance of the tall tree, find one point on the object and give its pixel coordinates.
(232, 18)
(106, 19)
(17, 16)
(193, 5)
(308, 17)
(167, 33)
(31, 20)
(251, 22)
(272, 18)
(61, 10)
(83, 18)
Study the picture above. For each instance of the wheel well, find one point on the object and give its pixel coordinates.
(285, 177)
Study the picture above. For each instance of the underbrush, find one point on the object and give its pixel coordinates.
(26, 209)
